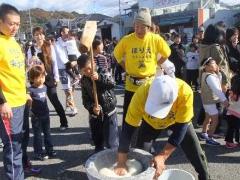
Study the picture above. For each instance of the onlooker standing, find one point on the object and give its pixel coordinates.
(100, 59)
(45, 52)
(233, 49)
(40, 114)
(73, 54)
(200, 33)
(211, 93)
(62, 59)
(137, 54)
(12, 92)
(192, 66)
(233, 121)
(177, 56)
(212, 46)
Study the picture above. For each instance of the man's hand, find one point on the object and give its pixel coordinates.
(6, 111)
(96, 110)
(159, 164)
(94, 76)
(121, 169)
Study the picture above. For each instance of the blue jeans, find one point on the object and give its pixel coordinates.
(39, 125)
(12, 152)
(104, 131)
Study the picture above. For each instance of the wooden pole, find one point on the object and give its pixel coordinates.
(94, 83)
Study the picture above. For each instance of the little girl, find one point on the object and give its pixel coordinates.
(212, 95)
(40, 114)
(233, 114)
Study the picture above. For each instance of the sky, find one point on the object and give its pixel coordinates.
(108, 7)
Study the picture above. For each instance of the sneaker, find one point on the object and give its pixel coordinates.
(212, 142)
(52, 154)
(74, 112)
(230, 145)
(203, 136)
(63, 128)
(41, 157)
(68, 109)
(29, 170)
(1, 145)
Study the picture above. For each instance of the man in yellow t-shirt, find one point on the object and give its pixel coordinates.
(138, 54)
(162, 103)
(12, 92)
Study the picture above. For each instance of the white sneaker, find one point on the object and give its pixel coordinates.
(68, 109)
(74, 111)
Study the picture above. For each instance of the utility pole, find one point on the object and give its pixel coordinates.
(120, 19)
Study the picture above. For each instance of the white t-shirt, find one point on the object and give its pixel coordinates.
(214, 82)
(192, 60)
(71, 47)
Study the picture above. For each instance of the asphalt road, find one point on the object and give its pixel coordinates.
(74, 146)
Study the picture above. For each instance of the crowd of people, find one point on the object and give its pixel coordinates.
(153, 68)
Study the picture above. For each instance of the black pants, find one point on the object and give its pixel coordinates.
(127, 99)
(52, 95)
(192, 76)
(118, 73)
(25, 135)
(233, 126)
(190, 146)
(41, 125)
(178, 71)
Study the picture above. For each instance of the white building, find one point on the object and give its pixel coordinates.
(108, 29)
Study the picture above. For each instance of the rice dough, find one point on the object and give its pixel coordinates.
(134, 168)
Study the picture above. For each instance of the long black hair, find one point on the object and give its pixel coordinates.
(214, 35)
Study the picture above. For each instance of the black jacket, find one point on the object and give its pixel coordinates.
(234, 57)
(105, 92)
(177, 55)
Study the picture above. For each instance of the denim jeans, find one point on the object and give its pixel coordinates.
(190, 146)
(12, 152)
(39, 125)
(104, 131)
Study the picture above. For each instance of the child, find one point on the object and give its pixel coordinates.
(73, 54)
(100, 59)
(40, 114)
(211, 94)
(103, 119)
(192, 66)
(233, 118)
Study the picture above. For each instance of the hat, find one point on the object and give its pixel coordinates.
(162, 94)
(201, 29)
(144, 17)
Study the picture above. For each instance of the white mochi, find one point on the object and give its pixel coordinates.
(134, 168)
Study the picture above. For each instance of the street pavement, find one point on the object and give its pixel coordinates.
(73, 147)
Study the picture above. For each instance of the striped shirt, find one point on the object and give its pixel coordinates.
(101, 61)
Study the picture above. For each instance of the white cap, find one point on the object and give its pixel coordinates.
(162, 94)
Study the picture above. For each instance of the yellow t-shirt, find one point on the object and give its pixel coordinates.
(140, 55)
(12, 72)
(181, 111)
